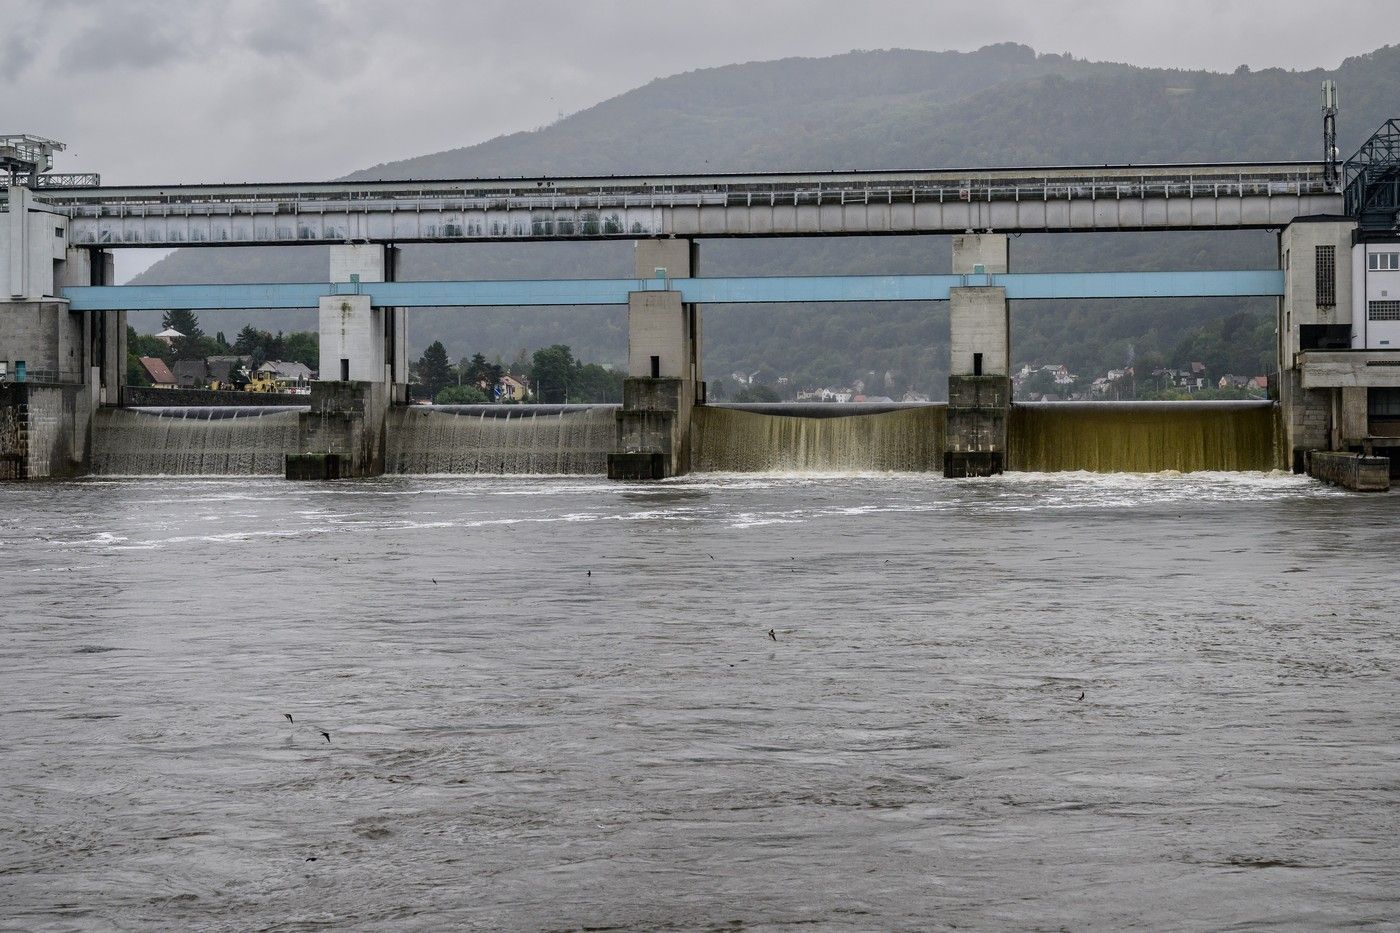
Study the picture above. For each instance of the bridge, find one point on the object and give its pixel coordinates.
(1231, 196)
(1339, 263)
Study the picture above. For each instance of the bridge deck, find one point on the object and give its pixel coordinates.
(1062, 198)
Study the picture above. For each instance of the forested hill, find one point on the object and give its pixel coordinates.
(1001, 105)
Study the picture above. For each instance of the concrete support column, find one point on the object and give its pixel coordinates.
(370, 342)
(664, 379)
(363, 371)
(979, 367)
(395, 335)
(1352, 418)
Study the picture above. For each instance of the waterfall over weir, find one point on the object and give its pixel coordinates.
(1144, 437)
(193, 441)
(495, 439)
(1105, 437)
(827, 437)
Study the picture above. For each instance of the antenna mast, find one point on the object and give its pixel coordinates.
(1329, 132)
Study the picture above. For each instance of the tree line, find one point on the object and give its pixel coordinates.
(298, 346)
(551, 375)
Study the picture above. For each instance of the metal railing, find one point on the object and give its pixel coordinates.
(1045, 190)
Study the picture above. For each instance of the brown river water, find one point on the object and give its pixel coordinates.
(553, 703)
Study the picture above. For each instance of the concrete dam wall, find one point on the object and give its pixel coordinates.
(1105, 437)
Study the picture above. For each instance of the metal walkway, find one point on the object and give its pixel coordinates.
(1049, 199)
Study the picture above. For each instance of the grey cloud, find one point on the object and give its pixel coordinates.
(343, 84)
(140, 39)
(16, 52)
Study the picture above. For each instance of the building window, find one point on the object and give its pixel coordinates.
(1383, 262)
(1326, 263)
(1383, 311)
(1384, 403)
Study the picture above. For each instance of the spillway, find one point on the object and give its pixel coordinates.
(193, 441)
(1143, 437)
(498, 439)
(818, 438)
(1105, 437)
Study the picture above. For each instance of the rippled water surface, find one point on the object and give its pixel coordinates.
(555, 704)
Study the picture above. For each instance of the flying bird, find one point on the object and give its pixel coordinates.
(326, 735)
(1081, 696)
(289, 717)
(772, 634)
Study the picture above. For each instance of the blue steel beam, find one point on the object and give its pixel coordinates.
(750, 290)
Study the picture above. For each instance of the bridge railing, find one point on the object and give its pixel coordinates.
(971, 191)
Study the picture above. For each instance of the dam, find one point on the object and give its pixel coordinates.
(64, 411)
(503, 440)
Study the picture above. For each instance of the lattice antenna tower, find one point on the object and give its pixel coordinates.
(1329, 131)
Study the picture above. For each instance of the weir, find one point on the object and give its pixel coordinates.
(502, 439)
(1144, 437)
(62, 326)
(731, 439)
(1104, 437)
(192, 441)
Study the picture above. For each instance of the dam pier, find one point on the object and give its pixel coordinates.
(1335, 410)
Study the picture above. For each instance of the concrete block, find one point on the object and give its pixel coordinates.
(367, 260)
(676, 256)
(346, 427)
(978, 411)
(657, 326)
(991, 251)
(353, 332)
(1350, 471)
(961, 464)
(637, 467)
(979, 323)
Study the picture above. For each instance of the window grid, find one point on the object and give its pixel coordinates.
(1383, 311)
(1383, 262)
(1326, 266)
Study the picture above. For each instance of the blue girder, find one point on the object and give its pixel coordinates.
(747, 290)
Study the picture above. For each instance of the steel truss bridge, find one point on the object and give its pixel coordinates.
(1256, 195)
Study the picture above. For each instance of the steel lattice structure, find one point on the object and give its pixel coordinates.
(1372, 181)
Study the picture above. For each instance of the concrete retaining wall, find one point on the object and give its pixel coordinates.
(44, 431)
(1350, 471)
(147, 397)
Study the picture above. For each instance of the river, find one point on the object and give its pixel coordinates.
(554, 703)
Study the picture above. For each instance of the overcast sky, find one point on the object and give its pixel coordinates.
(238, 90)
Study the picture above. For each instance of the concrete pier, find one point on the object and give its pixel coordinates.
(364, 371)
(664, 380)
(1356, 472)
(343, 436)
(979, 371)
